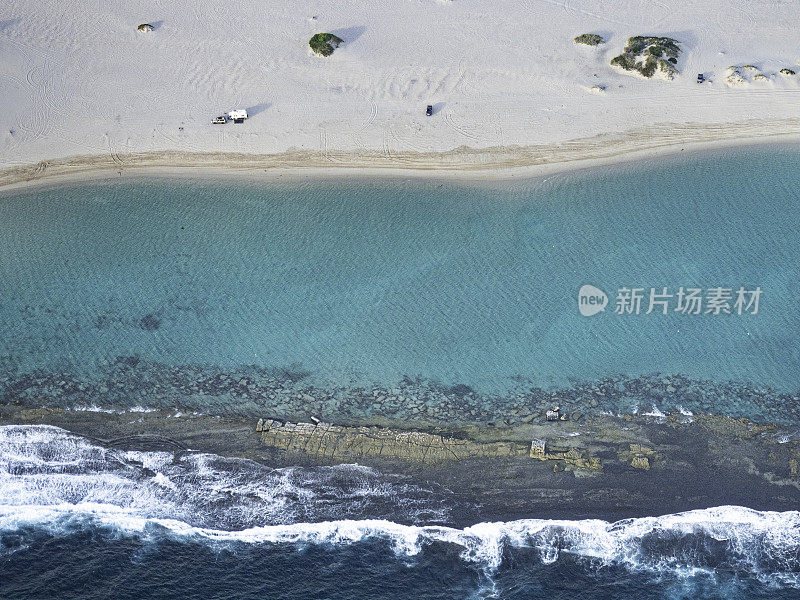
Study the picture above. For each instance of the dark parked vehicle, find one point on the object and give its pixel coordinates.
(700, 78)
(429, 110)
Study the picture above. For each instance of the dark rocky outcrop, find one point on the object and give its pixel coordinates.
(323, 441)
(335, 443)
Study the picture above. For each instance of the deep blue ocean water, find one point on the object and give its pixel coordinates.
(228, 296)
(81, 521)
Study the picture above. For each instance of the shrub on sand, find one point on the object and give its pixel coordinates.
(668, 67)
(647, 54)
(590, 39)
(324, 43)
(145, 27)
(649, 67)
(623, 61)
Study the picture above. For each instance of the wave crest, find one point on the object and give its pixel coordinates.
(53, 480)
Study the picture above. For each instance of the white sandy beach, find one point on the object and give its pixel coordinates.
(509, 86)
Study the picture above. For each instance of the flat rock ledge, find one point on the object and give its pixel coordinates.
(325, 442)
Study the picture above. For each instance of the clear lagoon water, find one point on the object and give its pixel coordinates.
(359, 283)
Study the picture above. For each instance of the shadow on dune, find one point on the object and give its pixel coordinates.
(8, 23)
(258, 108)
(350, 34)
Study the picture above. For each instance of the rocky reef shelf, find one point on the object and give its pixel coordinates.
(604, 466)
(326, 442)
(293, 394)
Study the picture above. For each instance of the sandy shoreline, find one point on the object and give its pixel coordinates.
(507, 162)
(86, 93)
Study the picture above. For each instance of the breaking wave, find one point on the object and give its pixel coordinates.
(54, 481)
(44, 467)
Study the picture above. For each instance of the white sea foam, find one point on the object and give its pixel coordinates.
(655, 412)
(204, 499)
(164, 481)
(746, 534)
(112, 411)
(93, 408)
(48, 466)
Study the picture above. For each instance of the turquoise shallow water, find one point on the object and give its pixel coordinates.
(357, 282)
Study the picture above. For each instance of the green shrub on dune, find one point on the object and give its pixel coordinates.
(648, 54)
(590, 39)
(648, 68)
(324, 43)
(668, 67)
(624, 61)
(640, 43)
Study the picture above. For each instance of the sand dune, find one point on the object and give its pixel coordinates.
(508, 84)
